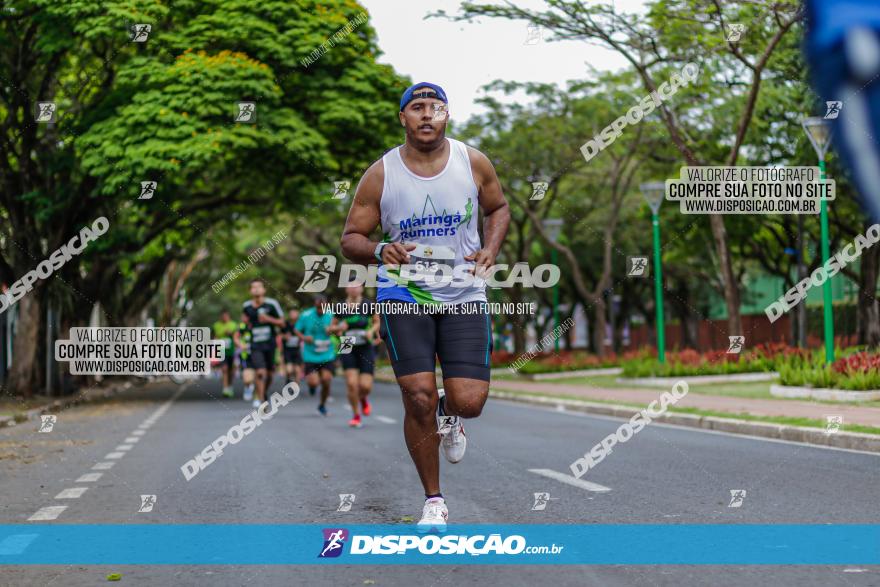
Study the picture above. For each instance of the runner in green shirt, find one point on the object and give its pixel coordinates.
(225, 329)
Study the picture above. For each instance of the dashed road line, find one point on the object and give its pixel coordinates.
(569, 480)
(71, 493)
(47, 513)
(52, 512)
(16, 543)
(386, 419)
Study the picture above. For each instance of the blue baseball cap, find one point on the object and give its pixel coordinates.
(410, 94)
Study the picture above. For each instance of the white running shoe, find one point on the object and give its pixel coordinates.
(257, 403)
(452, 435)
(248, 393)
(434, 516)
(453, 441)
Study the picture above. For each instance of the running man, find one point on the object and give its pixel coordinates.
(423, 194)
(264, 315)
(243, 344)
(292, 356)
(358, 364)
(225, 329)
(313, 327)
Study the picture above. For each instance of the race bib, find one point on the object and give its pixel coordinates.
(261, 333)
(322, 346)
(429, 261)
(360, 335)
(292, 342)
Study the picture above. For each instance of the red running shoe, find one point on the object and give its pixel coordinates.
(366, 407)
(355, 422)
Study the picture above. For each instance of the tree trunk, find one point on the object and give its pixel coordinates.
(599, 325)
(868, 309)
(24, 376)
(731, 287)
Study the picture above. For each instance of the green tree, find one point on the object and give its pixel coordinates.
(164, 110)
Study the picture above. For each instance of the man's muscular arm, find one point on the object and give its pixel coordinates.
(496, 211)
(363, 218)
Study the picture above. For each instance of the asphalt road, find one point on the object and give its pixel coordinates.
(292, 469)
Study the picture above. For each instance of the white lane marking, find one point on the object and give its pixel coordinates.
(569, 480)
(50, 512)
(114, 455)
(17, 543)
(144, 426)
(89, 477)
(103, 466)
(578, 414)
(124, 447)
(71, 493)
(132, 439)
(138, 433)
(386, 419)
(855, 570)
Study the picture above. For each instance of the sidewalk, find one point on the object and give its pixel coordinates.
(852, 414)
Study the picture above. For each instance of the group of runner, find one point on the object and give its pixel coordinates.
(310, 343)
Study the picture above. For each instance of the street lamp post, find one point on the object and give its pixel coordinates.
(654, 193)
(552, 228)
(819, 132)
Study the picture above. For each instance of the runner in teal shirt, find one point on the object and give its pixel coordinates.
(319, 353)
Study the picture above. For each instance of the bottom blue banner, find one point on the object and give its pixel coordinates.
(530, 544)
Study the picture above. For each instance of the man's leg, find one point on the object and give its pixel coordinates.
(261, 384)
(365, 385)
(465, 397)
(312, 380)
(464, 347)
(420, 427)
(326, 380)
(270, 375)
(351, 384)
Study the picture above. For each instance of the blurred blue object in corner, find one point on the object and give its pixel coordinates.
(843, 50)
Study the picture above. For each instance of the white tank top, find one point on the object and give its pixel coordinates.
(439, 215)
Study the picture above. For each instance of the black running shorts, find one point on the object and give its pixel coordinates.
(327, 366)
(362, 357)
(461, 337)
(262, 358)
(292, 355)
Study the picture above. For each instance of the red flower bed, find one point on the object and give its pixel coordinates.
(862, 362)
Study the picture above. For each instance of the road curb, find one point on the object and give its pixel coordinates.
(64, 403)
(568, 374)
(849, 440)
(700, 379)
(825, 394)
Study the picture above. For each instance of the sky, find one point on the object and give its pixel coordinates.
(462, 57)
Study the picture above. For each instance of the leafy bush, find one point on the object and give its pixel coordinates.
(854, 371)
(760, 359)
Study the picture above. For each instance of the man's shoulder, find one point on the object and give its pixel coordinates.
(272, 302)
